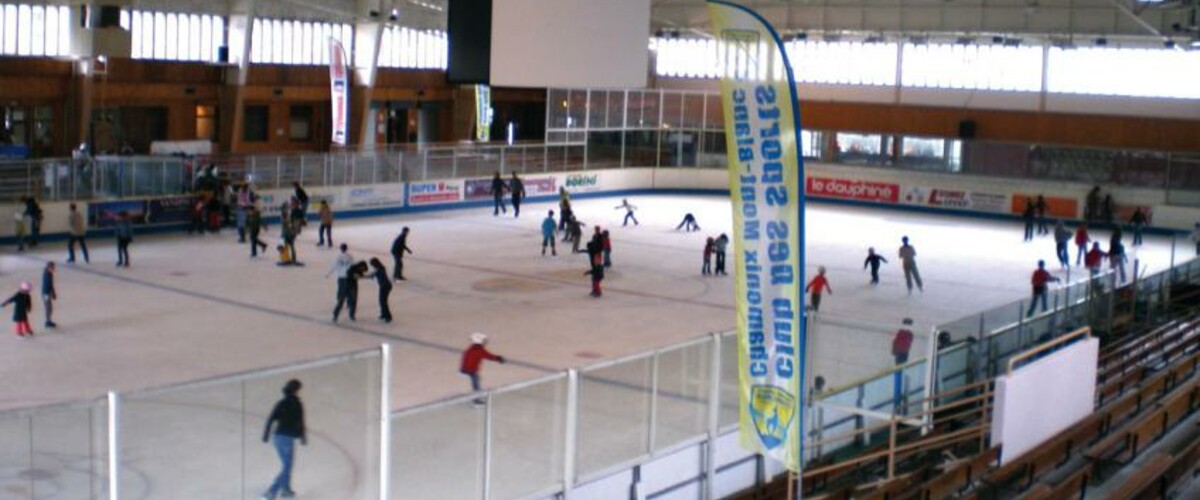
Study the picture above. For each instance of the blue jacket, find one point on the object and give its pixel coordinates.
(548, 227)
(48, 283)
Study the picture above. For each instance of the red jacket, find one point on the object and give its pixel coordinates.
(1092, 259)
(1081, 236)
(1040, 278)
(818, 285)
(902, 342)
(474, 356)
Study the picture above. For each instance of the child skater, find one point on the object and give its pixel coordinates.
(628, 212)
(597, 270)
(817, 285)
(709, 248)
(22, 305)
(873, 260)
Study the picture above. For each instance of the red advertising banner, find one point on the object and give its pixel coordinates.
(879, 192)
(339, 92)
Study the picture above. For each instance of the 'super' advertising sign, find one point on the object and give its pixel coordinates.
(425, 193)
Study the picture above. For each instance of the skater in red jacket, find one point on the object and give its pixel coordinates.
(473, 357)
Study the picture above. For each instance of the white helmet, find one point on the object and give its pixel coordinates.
(478, 338)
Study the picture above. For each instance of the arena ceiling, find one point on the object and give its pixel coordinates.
(1051, 18)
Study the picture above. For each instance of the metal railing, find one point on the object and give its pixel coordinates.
(982, 344)
(107, 177)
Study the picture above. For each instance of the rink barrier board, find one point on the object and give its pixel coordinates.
(339, 195)
(102, 233)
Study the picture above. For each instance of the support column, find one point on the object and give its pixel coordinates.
(239, 33)
(368, 40)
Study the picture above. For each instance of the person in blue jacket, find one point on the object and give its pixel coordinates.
(548, 228)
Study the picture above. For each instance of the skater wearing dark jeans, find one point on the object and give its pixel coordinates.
(564, 222)
(254, 226)
(78, 235)
(873, 260)
(288, 420)
(721, 244)
(472, 359)
(1138, 221)
(628, 212)
(908, 256)
(197, 216)
(22, 306)
(548, 233)
(1040, 207)
(385, 289)
(399, 246)
(1081, 241)
(1028, 216)
(124, 234)
(902, 342)
(498, 189)
(517, 188)
(325, 230)
(709, 248)
(1062, 237)
(340, 269)
(1116, 255)
(597, 267)
(1041, 277)
(301, 197)
(575, 233)
(606, 247)
(243, 209)
(33, 213)
(688, 223)
(49, 294)
(564, 208)
(816, 286)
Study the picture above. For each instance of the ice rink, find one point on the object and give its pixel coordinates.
(193, 307)
(196, 307)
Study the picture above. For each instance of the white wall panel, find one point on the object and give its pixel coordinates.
(570, 43)
(1065, 380)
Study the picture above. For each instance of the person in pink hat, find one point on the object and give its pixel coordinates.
(22, 305)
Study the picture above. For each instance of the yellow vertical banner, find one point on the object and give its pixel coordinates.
(762, 138)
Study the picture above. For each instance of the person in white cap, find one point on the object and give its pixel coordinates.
(22, 305)
(472, 359)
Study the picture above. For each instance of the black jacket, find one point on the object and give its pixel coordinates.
(22, 304)
(288, 416)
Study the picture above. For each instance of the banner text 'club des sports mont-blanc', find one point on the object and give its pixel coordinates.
(764, 170)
